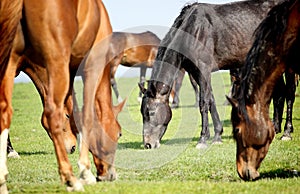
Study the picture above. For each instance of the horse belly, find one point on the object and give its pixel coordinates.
(135, 56)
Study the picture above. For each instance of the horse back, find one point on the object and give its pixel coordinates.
(218, 34)
(140, 49)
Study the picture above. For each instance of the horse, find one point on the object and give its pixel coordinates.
(54, 48)
(204, 38)
(274, 51)
(132, 50)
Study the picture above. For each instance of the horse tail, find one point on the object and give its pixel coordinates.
(10, 15)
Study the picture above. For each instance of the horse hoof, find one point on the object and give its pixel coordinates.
(13, 154)
(76, 187)
(3, 189)
(201, 146)
(286, 138)
(217, 142)
(87, 177)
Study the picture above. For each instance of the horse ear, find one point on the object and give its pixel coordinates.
(117, 109)
(234, 103)
(142, 88)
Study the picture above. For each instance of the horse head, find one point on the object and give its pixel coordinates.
(103, 145)
(253, 132)
(156, 113)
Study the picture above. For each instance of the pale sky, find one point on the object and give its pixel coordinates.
(141, 15)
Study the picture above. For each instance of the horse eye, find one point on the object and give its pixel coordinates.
(236, 130)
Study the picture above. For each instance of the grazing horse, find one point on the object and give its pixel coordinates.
(132, 50)
(204, 38)
(274, 51)
(52, 49)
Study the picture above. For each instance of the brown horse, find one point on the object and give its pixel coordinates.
(274, 51)
(132, 50)
(53, 48)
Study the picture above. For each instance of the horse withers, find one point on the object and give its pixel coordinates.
(274, 51)
(204, 38)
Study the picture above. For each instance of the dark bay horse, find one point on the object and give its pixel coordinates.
(54, 56)
(274, 51)
(132, 50)
(204, 38)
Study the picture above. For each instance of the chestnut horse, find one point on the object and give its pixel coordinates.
(274, 51)
(52, 49)
(204, 38)
(132, 50)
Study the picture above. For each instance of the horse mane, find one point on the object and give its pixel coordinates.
(262, 57)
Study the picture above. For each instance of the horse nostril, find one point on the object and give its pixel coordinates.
(148, 146)
(73, 149)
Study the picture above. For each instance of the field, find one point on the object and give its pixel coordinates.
(176, 167)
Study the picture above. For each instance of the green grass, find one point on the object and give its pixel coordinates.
(176, 167)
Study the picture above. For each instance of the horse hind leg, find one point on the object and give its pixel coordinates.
(278, 104)
(290, 98)
(218, 128)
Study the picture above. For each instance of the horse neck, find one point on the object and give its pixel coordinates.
(262, 95)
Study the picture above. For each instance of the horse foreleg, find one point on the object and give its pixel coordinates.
(205, 93)
(290, 98)
(6, 111)
(92, 72)
(278, 103)
(54, 113)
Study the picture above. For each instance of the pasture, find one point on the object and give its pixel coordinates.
(176, 167)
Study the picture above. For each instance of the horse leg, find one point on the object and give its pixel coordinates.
(11, 153)
(113, 81)
(196, 89)
(205, 98)
(218, 128)
(278, 103)
(6, 112)
(290, 99)
(177, 85)
(92, 72)
(54, 113)
(143, 70)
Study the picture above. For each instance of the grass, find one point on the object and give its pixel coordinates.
(176, 167)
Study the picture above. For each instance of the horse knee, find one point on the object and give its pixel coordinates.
(6, 112)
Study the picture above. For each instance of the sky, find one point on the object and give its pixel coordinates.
(139, 16)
